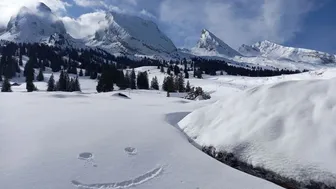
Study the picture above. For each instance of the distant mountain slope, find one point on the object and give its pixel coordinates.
(131, 35)
(210, 45)
(37, 26)
(275, 51)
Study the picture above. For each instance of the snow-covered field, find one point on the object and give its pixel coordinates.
(94, 141)
(89, 140)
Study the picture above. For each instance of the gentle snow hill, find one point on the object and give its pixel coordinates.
(38, 26)
(276, 51)
(288, 127)
(78, 140)
(131, 35)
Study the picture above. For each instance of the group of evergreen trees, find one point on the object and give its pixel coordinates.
(175, 84)
(65, 83)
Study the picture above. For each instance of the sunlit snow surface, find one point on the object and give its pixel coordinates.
(88, 140)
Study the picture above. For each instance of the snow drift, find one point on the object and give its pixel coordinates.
(287, 127)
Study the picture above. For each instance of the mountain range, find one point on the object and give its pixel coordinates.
(132, 36)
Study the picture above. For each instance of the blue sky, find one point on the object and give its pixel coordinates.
(300, 23)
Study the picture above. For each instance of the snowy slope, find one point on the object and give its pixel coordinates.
(210, 45)
(275, 51)
(268, 127)
(104, 141)
(40, 26)
(131, 35)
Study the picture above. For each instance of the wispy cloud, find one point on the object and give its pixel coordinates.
(86, 24)
(9, 8)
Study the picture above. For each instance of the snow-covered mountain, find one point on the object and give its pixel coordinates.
(131, 35)
(210, 45)
(276, 51)
(38, 25)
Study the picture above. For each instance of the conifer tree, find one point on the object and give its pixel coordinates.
(93, 75)
(121, 81)
(162, 69)
(168, 84)
(128, 79)
(29, 73)
(142, 80)
(6, 86)
(155, 83)
(80, 72)
(180, 83)
(186, 74)
(40, 76)
(63, 82)
(51, 83)
(133, 80)
(169, 71)
(0, 77)
(188, 88)
(221, 72)
(105, 82)
(176, 70)
(76, 86)
(20, 60)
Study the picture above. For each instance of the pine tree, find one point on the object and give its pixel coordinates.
(221, 72)
(105, 82)
(51, 83)
(180, 83)
(142, 80)
(29, 73)
(94, 75)
(176, 70)
(128, 79)
(0, 77)
(30, 86)
(186, 74)
(20, 60)
(63, 82)
(6, 86)
(80, 72)
(188, 88)
(76, 85)
(168, 84)
(169, 71)
(40, 76)
(162, 69)
(155, 83)
(133, 80)
(121, 81)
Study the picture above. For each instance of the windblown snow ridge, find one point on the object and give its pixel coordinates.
(287, 128)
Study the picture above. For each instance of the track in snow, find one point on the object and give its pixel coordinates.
(123, 184)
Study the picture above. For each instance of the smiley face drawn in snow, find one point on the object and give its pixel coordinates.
(89, 158)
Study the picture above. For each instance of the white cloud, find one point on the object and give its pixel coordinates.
(9, 8)
(86, 24)
(235, 22)
(147, 14)
(89, 3)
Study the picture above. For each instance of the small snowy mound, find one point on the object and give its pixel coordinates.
(121, 95)
(288, 128)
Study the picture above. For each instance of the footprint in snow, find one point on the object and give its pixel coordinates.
(88, 158)
(131, 151)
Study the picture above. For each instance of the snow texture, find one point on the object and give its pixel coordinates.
(287, 127)
(82, 140)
